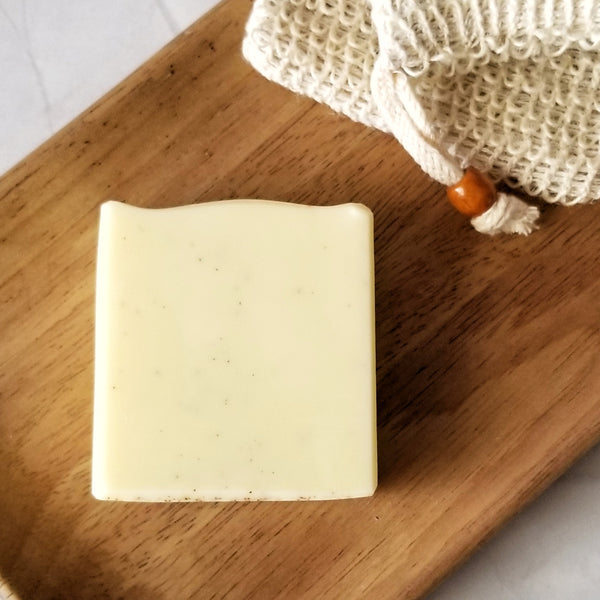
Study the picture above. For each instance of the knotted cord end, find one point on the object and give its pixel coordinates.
(508, 214)
(491, 212)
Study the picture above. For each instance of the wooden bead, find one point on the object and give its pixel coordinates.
(473, 194)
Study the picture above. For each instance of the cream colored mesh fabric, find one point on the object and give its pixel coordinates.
(510, 87)
(535, 125)
(318, 48)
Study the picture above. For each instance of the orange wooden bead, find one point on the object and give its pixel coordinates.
(473, 194)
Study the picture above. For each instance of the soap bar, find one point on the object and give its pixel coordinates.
(235, 353)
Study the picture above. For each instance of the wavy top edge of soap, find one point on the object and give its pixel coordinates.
(256, 203)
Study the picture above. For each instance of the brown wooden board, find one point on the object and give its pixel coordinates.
(488, 367)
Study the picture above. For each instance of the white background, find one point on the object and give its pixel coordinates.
(59, 56)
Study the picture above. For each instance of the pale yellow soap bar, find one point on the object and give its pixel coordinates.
(234, 353)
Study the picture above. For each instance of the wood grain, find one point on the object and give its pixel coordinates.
(488, 363)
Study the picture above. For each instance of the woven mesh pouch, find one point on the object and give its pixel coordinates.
(511, 88)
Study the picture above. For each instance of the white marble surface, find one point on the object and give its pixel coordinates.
(59, 56)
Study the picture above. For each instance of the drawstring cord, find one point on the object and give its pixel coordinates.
(471, 191)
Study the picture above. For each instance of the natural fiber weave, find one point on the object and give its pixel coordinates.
(509, 87)
(321, 49)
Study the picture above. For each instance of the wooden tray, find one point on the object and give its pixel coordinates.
(488, 362)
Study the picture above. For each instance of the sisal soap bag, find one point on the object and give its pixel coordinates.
(478, 92)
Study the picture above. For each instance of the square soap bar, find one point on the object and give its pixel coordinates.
(235, 353)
